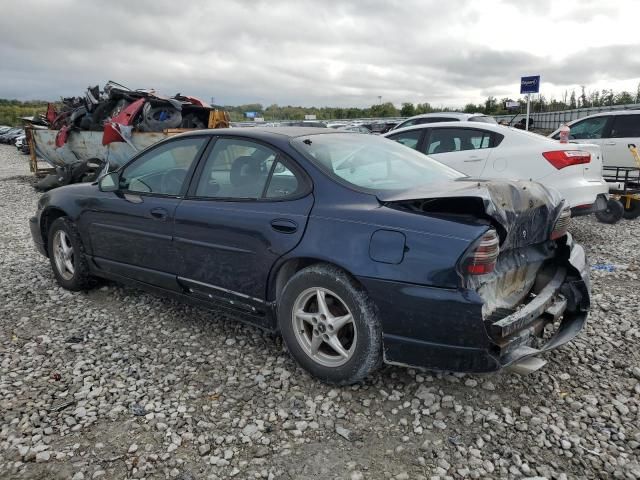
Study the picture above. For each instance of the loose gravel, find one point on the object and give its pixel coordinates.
(115, 383)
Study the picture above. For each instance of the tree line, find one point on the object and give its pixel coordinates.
(491, 106)
(12, 110)
(570, 100)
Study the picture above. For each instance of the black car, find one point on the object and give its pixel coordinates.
(356, 249)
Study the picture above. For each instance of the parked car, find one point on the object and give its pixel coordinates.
(4, 129)
(483, 150)
(356, 249)
(337, 124)
(10, 135)
(305, 123)
(19, 141)
(445, 117)
(612, 131)
(354, 128)
(25, 148)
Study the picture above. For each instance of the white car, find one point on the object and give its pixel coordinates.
(484, 151)
(445, 117)
(20, 141)
(612, 131)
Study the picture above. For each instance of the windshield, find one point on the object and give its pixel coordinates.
(372, 162)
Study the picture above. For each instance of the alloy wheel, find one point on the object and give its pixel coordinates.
(324, 327)
(63, 254)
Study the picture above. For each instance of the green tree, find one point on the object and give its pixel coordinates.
(386, 109)
(407, 110)
(424, 108)
(470, 108)
(583, 98)
(623, 98)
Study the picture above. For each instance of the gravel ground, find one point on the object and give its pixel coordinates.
(115, 383)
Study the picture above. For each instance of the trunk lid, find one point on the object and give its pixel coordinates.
(523, 212)
(593, 169)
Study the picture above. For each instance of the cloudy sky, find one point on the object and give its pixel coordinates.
(322, 53)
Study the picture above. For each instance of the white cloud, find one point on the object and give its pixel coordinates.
(318, 53)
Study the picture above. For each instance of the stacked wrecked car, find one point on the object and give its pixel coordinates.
(107, 127)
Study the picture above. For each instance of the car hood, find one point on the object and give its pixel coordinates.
(523, 212)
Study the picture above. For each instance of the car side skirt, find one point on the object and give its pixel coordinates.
(264, 318)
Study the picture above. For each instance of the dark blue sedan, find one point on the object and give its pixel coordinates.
(355, 248)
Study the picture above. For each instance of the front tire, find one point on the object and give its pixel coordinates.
(329, 325)
(66, 254)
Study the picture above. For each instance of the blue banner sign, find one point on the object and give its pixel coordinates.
(530, 84)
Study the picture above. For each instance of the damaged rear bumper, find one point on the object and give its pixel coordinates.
(444, 329)
(565, 299)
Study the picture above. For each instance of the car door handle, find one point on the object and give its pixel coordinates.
(159, 214)
(473, 159)
(609, 143)
(283, 225)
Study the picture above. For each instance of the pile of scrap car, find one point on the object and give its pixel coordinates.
(118, 111)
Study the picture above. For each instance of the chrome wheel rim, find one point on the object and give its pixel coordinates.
(324, 327)
(63, 254)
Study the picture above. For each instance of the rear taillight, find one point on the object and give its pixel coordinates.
(483, 258)
(565, 158)
(562, 224)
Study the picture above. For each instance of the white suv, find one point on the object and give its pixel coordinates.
(445, 117)
(612, 131)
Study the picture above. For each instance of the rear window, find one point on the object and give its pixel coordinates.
(483, 119)
(437, 119)
(372, 163)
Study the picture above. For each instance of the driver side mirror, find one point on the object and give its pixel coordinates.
(109, 183)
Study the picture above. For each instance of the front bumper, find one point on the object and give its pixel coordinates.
(444, 329)
(36, 235)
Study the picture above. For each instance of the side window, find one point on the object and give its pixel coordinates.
(283, 182)
(589, 128)
(625, 126)
(408, 123)
(164, 169)
(444, 140)
(410, 138)
(236, 168)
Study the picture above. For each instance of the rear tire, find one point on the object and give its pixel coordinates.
(329, 325)
(613, 212)
(66, 254)
(633, 211)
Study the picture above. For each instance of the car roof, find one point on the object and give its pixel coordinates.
(447, 114)
(462, 124)
(613, 112)
(266, 132)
